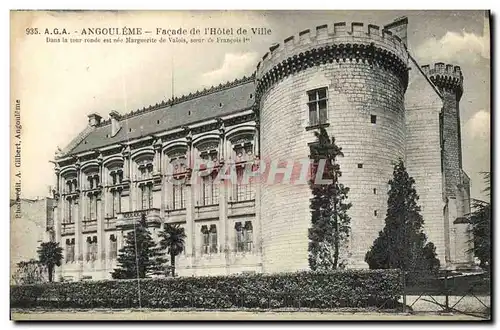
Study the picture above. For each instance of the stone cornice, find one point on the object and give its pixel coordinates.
(209, 125)
(349, 52)
(448, 84)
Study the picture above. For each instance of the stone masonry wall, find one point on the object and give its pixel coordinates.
(423, 106)
(357, 90)
(449, 80)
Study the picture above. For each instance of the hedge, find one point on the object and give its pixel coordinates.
(343, 288)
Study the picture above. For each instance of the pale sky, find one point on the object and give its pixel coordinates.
(60, 84)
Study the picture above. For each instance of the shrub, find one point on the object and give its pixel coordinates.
(340, 288)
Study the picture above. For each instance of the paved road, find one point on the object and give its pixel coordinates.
(232, 315)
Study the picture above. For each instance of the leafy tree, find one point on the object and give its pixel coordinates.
(480, 220)
(29, 272)
(140, 256)
(330, 223)
(402, 243)
(50, 256)
(173, 240)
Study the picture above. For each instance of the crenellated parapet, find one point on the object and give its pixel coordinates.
(333, 43)
(446, 77)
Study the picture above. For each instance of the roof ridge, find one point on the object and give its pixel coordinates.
(75, 142)
(184, 98)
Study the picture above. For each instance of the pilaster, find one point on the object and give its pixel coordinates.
(79, 207)
(190, 203)
(57, 229)
(101, 240)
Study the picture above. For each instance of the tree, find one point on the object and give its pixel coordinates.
(402, 243)
(140, 256)
(172, 240)
(29, 272)
(480, 219)
(50, 256)
(330, 223)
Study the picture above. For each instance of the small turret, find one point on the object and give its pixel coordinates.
(446, 77)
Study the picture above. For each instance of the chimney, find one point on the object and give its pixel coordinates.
(399, 28)
(94, 119)
(115, 122)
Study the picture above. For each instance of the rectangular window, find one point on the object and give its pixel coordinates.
(89, 207)
(178, 196)
(113, 247)
(248, 235)
(215, 189)
(317, 104)
(69, 213)
(360, 165)
(70, 250)
(205, 240)
(116, 202)
(244, 189)
(206, 190)
(210, 190)
(373, 119)
(213, 239)
(244, 236)
(93, 251)
(88, 248)
(143, 197)
(92, 207)
(146, 197)
(239, 237)
(150, 196)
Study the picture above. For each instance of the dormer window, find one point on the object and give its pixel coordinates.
(92, 181)
(145, 170)
(243, 152)
(116, 176)
(71, 185)
(209, 152)
(243, 148)
(209, 155)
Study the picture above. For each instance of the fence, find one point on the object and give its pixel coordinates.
(448, 292)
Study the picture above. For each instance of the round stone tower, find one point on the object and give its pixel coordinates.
(350, 79)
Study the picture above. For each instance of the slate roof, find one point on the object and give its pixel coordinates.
(214, 102)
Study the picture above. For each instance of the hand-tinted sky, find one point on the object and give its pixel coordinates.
(59, 84)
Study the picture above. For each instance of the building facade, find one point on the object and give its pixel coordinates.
(32, 222)
(358, 81)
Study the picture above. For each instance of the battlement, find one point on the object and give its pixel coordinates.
(335, 34)
(443, 69)
(445, 76)
(339, 42)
